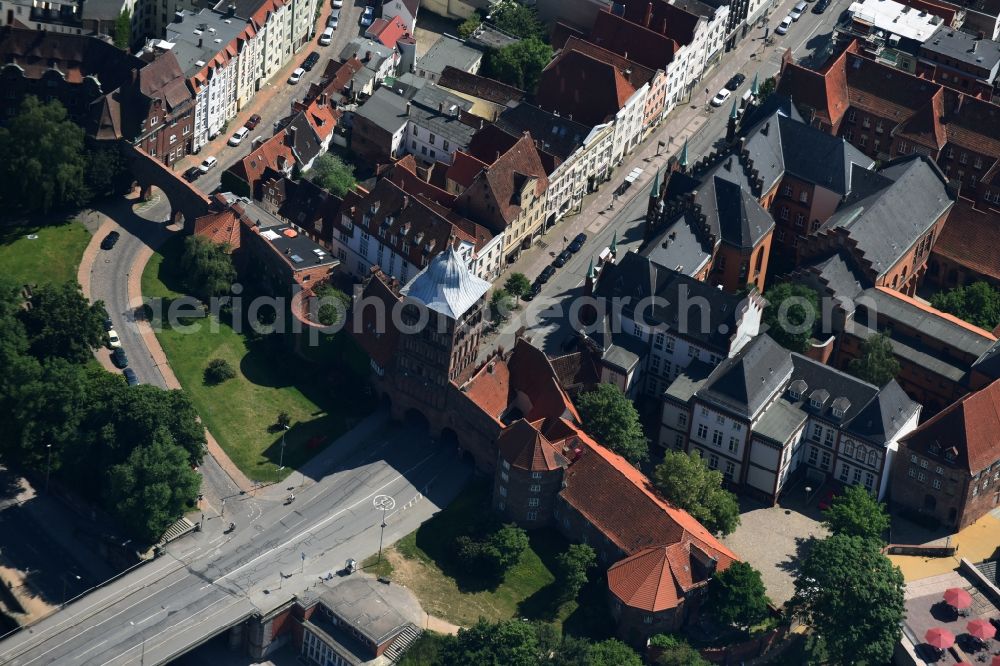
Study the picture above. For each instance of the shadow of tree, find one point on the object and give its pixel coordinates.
(803, 546)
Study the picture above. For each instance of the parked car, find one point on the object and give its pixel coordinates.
(108, 324)
(130, 376)
(119, 358)
(563, 257)
(310, 61)
(296, 76)
(333, 20)
(337, 4)
(326, 36)
(238, 136)
(735, 82)
(368, 16)
(113, 340)
(798, 10)
(544, 276)
(535, 288)
(721, 97)
(192, 174)
(252, 122)
(208, 164)
(110, 240)
(821, 6)
(783, 27)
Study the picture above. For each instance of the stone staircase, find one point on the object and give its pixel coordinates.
(403, 640)
(176, 531)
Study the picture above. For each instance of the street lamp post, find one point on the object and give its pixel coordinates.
(223, 508)
(381, 534)
(48, 466)
(281, 459)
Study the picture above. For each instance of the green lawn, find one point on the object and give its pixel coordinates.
(322, 398)
(53, 257)
(424, 561)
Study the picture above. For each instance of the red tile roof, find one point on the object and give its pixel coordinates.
(388, 31)
(222, 227)
(489, 388)
(404, 174)
(524, 447)
(969, 426)
(662, 17)
(374, 336)
(464, 168)
(635, 73)
(503, 181)
(583, 87)
(273, 153)
(652, 49)
(971, 238)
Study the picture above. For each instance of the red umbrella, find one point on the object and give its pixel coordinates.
(982, 629)
(957, 597)
(940, 638)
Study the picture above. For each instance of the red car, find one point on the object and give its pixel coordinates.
(252, 122)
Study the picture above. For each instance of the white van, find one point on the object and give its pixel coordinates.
(326, 37)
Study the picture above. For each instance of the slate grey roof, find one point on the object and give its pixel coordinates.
(636, 277)
(963, 47)
(678, 248)
(781, 145)
(887, 223)
(359, 47)
(730, 207)
(384, 109)
(689, 381)
(447, 285)
(190, 48)
(884, 415)
(306, 143)
(989, 362)
(437, 110)
(779, 422)
(487, 36)
(557, 135)
(746, 382)
(834, 276)
(449, 51)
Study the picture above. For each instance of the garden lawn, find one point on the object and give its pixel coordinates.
(53, 257)
(322, 400)
(424, 562)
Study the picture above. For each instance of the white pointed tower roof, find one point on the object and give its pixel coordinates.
(447, 285)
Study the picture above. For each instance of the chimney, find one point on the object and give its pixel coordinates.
(407, 109)
(368, 56)
(322, 99)
(767, 126)
(291, 135)
(440, 107)
(231, 10)
(649, 15)
(200, 42)
(406, 200)
(663, 30)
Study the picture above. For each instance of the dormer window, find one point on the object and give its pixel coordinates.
(838, 413)
(818, 398)
(950, 454)
(797, 389)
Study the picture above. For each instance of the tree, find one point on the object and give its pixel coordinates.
(518, 20)
(42, 159)
(123, 30)
(767, 88)
(611, 418)
(852, 597)
(331, 304)
(791, 314)
(219, 370)
(469, 26)
(152, 487)
(571, 569)
(61, 323)
(676, 652)
(877, 363)
(283, 420)
(501, 304)
(106, 171)
(207, 268)
(332, 174)
(506, 643)
(519, 64)
(856, 513)
(686, 481)
(737, 596)
(517, 285)
(612, 652)
(493, 555)
(977, 303)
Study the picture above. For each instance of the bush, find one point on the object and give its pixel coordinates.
(219, 370)
(494, 555)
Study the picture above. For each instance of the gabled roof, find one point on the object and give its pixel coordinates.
(745, 382)
(524, 447)
(557, 135)
(734, 214)
(273, 154)
(505, 178)
(584, 87)
(387, 30)
(221, 227)
(447, 285)
(631, 40)
(971, 238)
(968, 427)
(663, 17)
(464, 168)
(479, 86)
(377, 339)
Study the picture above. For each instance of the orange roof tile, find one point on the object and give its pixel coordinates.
(971, 238)
(524, 447)
(938, 313)
(222, 228)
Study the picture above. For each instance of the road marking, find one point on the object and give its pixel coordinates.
(148, 617)
(327, 519)
(91, 649)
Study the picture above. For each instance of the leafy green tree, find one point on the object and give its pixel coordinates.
(505, 643)
(767, 87)
(218, 371)
(977, 303)
(510, 541)
(877, 363)
(332, 174)
(611, 418)
(571, 651)
(146, 409)
(856, 513)
(283, 420)
(517, 285)
(152, 487)
(737, 596)
(791, 314)
(62, 323)
(332, 302)
(501, 304)
(207, 268)
(106, 171)
(852, 597)
(676, 652)
(519, 64)
(518, 20)
(686, 481)
(469, 26)
(123, 30)
(571, 569)
(612, 652)
(42, 159)
(493, 555)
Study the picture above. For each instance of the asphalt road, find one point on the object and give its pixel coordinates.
(546, 319)
(210, 580)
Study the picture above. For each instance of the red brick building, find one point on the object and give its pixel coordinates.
(949, 468)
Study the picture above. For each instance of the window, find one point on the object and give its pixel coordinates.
(921, 477)
(504, 476)
(733, 444)
(535, 487)
(682, 419)
(720, 419)
(500, 506)
(533, 501)
(730, 470)
(781, 235)
(913, 458)
(532, 515)
(670, 343)
(679, 442)
(813, 454)
(799, 220)
(717, 437)
(923, 463)
(503, 491)
(843, 473)
(869, 480)
(825, 461)
(848, 135)
(713, 461)
(637, 330)
(872, 458)
(857, 476)
(432, 139)
(817, 432)
(786, 191)
(863, 140)
(851, 115)
(913, 472)
(879, 128)
(866, 123)
(936, 483)
(536, 475)
(702, 431)
(784, 213)
(849, 448)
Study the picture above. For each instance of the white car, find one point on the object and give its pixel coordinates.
(296, 75)
(783, 27)
(113, 340)
(337, 4)
(238, 136)
(798, 10)
(721, 97)
(207, 164)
